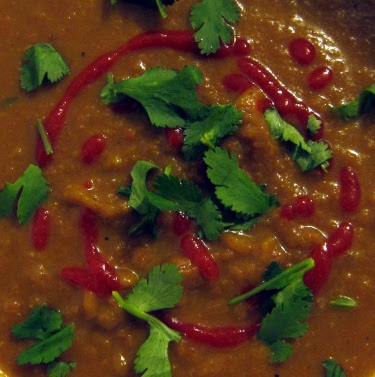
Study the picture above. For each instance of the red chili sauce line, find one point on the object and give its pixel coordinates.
(303, 206)
(93, 148)
(350, 194)
(176, 40)
(98, 276)
(284, 101)
(41, 228)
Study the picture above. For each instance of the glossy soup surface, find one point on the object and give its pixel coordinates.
(107, 339)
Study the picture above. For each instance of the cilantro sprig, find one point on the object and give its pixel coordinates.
(168, 96)
(42, 62)
(308, 155)
(28, 192)
(363, 104)
(174, 194)
(45, 326)
(290, 306)
(212, 20)
(161, 290)
(333, 369)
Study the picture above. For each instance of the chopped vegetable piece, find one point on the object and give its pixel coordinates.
(363, 104)
(42, 132)
(291, 304)
(138, 199)
(234, 188)
(212, 18)
(42, 61)
(34, 191)
(308, 155)
(45, 325)
(313, 125)
(221, 121)
(174, 194)
(333, 369)
(161, 290)
(344, 302)
(168, 96)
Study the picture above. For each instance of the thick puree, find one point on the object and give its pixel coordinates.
(106, 338)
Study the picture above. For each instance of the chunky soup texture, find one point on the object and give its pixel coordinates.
(106, 337)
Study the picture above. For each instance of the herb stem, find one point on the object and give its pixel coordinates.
(42, 132)
(292, 273)
(161, 7)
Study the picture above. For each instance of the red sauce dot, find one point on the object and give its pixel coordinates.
(320, 78)
(88, 184)
(92, 149)
(302, 51)
(350, 195)
(236, 83)
(175, 137)
(303, 206)
(41, 228)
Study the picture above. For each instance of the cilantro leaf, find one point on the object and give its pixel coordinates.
(313, 125)
(272, 271)
(42, 61)
(234, 188)
(60, 368)
(212, 19)
(333, 369)
(174, 194)
(221, 121)
(281, 351)
(363, 104)
(162, 290)
(168, 96)
(308, 155)
(34, 190)
(344, 302)
(45, 325)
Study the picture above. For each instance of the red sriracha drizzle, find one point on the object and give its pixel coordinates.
(337, 244)
(236, 83)
(175, 137)
(92, 148)
(41, 228)
(229, 336)
(302, 51)
(284, 101)
(99, 276)
(350, 195)
(303, 206)
(181, 224)
(320, 78)
(196, 251)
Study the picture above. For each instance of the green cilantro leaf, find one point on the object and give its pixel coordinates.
(168, 96)
(272, 271)
(34, 190)
(212, 18)
(234, 188)
(308, 155)
(60, 368)
(138, 197)
(363, 104)
(42, 61)
(44, 325)
(174, 194)
(162, 290)
(313, 125)
(333, 369)
(344, 302)
(221, 121)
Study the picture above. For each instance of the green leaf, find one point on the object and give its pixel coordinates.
(281, 351)
(39, 325)
(363, 104)
(272, 271)
(308, 155)
(168, 96)
(174, 194)
(49, 349)
(344, 302)
(333, 369)
(234, 188)
(60, 368)
(221, 121)
(31, 189)
(313, 125)
(212, 19)
(42, 61)
(162, 290)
